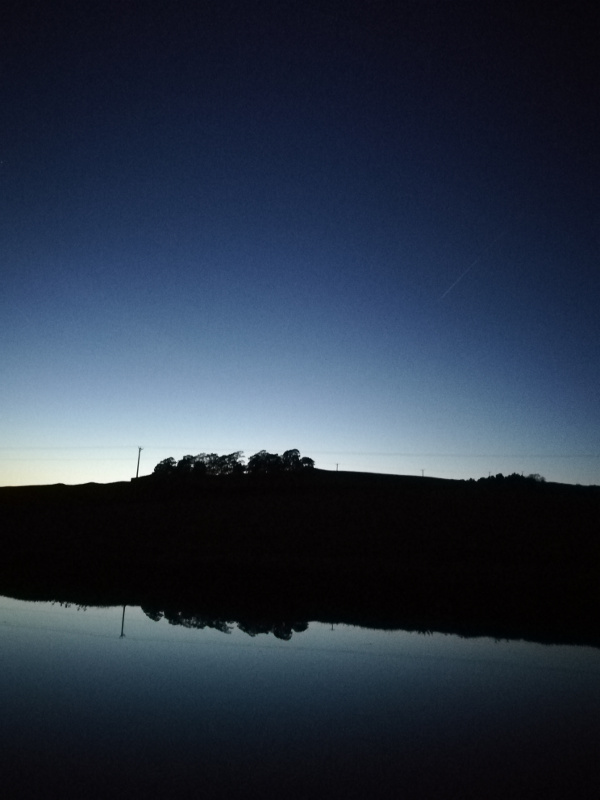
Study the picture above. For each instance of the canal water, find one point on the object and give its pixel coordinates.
(98, 703)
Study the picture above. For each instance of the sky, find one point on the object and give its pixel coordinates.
(366, 230)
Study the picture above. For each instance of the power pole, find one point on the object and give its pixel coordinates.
(137, 472)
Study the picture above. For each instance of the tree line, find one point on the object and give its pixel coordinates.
(261, 463)
(515, 478)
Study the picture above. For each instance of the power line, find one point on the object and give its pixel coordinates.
(368, 453)
(76, 447)
(454, 455)
(562, 456)
(77, 460)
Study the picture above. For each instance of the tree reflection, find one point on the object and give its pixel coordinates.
(253, 627)
(282, 630)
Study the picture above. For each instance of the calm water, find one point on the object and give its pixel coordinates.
(169, 711)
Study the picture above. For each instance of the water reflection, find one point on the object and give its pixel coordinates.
(280, 629)
(190, 705)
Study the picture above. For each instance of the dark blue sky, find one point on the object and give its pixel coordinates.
(366, 230)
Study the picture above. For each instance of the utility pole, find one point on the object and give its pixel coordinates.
(137, 472)
(422, 473)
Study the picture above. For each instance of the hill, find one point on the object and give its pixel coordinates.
(505, 558)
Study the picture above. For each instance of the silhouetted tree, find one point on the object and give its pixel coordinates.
(291, 460)
(231, 464)
(213, 464)
(186, 465)
(165, 467)
(514, 478)
(263, 463)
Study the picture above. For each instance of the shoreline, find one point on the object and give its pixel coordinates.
(378, 551)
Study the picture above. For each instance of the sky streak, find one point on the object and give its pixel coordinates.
(479, 257)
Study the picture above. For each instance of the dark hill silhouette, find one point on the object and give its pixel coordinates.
(507, 557)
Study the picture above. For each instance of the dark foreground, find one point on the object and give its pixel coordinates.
(495, 559)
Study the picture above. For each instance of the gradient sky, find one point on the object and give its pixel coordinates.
(369, 231)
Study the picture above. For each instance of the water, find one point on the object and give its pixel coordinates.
(169, 711)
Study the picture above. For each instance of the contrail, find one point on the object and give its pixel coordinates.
(475, 260)
(460, 277)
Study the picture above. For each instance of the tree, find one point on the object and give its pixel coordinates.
(232, 464)
(261, 463)
(206, 463)
(213, 464)
(165, 467)
(186, 465)
(227, 465)
(264, 463)
(291, 460)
